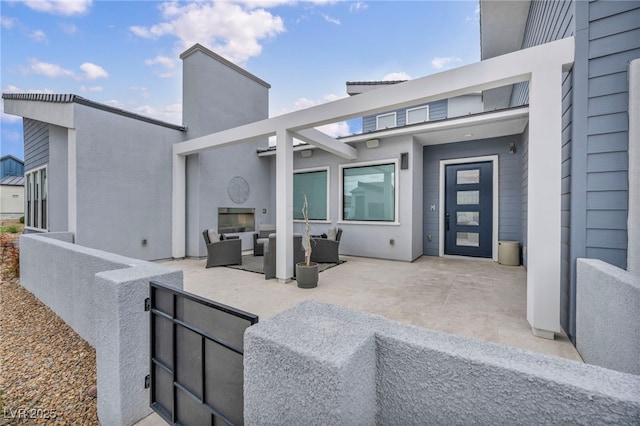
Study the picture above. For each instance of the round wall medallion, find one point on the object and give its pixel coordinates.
(238, 190)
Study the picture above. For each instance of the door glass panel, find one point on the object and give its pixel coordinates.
(468, 239)
(468, 218)
(467, 176)
(468, 197)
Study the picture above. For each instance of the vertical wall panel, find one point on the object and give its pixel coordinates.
(36, 143)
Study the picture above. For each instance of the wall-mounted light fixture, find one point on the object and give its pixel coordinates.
(512, 148)
(306, 153)
(404, 161)
(373, 143)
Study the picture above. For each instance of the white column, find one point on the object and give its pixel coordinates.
(284, 205)
(72, 184)
(543, 207)
(633, 221)
(178, 207)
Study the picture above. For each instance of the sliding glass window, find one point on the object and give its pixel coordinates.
(314, 184)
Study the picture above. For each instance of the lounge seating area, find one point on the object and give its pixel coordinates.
(261, 237)
(222, 250)
(269, 260)
(325, 247)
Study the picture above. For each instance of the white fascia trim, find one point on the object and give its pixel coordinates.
(491, 73)
(60, 114)
(496, 199)
(319, 169)
(396, 192)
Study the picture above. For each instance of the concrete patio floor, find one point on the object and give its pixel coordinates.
(467, 297)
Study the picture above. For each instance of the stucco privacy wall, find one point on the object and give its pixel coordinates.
(101, 296)
(608, 308)
(320, 364)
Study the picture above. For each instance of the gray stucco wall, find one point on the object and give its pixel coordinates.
(218, 96)
(36, 143)
(58, 180)
(510, 189)
(123, 184)
(608, 330)
(320, 364)
(101, 296)
(407, 234)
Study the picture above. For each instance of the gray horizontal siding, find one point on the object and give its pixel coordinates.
(510, 193)
(36, 144)
(437, 111)
(548, 21)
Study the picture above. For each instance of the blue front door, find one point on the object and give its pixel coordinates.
(469, 209)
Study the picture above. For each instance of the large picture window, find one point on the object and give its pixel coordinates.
(313, 183)
(369, 192)
(36, 208)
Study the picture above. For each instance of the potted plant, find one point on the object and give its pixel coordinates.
(307, 271)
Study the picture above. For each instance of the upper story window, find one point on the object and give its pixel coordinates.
(314, 183)
(36, 194)
(384, 121)
(418, 114)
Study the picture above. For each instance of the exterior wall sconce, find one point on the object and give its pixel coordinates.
(404, 161)
(512, 148)
(373, 143)
(306, 153)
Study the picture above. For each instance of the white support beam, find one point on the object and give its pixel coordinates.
(633, 220)
(321, 140)
(488, 74)
(284, 205)
(178, 206)
(72, 183)
(543, 205)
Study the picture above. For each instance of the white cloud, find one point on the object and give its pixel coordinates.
(7, 23)
(445, 62)
(330, 19)
(49, 70)
(142, 90)
(171, 113)
(358, 6)
(476, 15)
(6, 118)
(169, 65)
(229, 29)
(91, 89)
(60, 7)
(38, 36)
(395, 76)
(93, 71)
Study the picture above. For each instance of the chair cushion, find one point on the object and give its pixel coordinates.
(331, 234)
(213, 235)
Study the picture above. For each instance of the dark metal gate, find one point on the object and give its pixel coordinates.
(196, 358)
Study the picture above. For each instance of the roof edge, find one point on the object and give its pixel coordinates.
(200, 48)
(71, 98)
(12, 157)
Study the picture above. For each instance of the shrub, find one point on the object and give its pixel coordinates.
(9, 255)
(21, 219)
(12, 229)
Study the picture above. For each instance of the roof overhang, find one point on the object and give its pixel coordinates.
(502, 25)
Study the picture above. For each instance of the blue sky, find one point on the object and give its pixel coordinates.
(126, 53)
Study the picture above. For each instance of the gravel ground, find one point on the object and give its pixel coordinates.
(46, 369)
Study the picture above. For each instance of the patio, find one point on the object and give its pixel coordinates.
(467, 297)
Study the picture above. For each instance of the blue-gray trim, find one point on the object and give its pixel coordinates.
(509, 177)
(36, 143)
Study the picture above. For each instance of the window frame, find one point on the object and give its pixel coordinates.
(388, 114)
(326, 169)
(425, 107)
(34, 191)
(396, 193)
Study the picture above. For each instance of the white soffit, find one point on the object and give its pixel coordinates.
(502, 25)
(481, 126)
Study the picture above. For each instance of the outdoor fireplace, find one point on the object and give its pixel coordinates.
(236, 219)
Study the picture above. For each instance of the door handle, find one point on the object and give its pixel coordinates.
(447, 216)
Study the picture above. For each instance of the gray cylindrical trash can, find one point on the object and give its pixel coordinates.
(509, 253)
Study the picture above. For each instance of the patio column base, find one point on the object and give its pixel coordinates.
(543, 333)
(284, 280)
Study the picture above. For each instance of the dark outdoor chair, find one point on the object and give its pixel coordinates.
(325, 250)
(269, 261)
(227, 251)
(261, 237)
